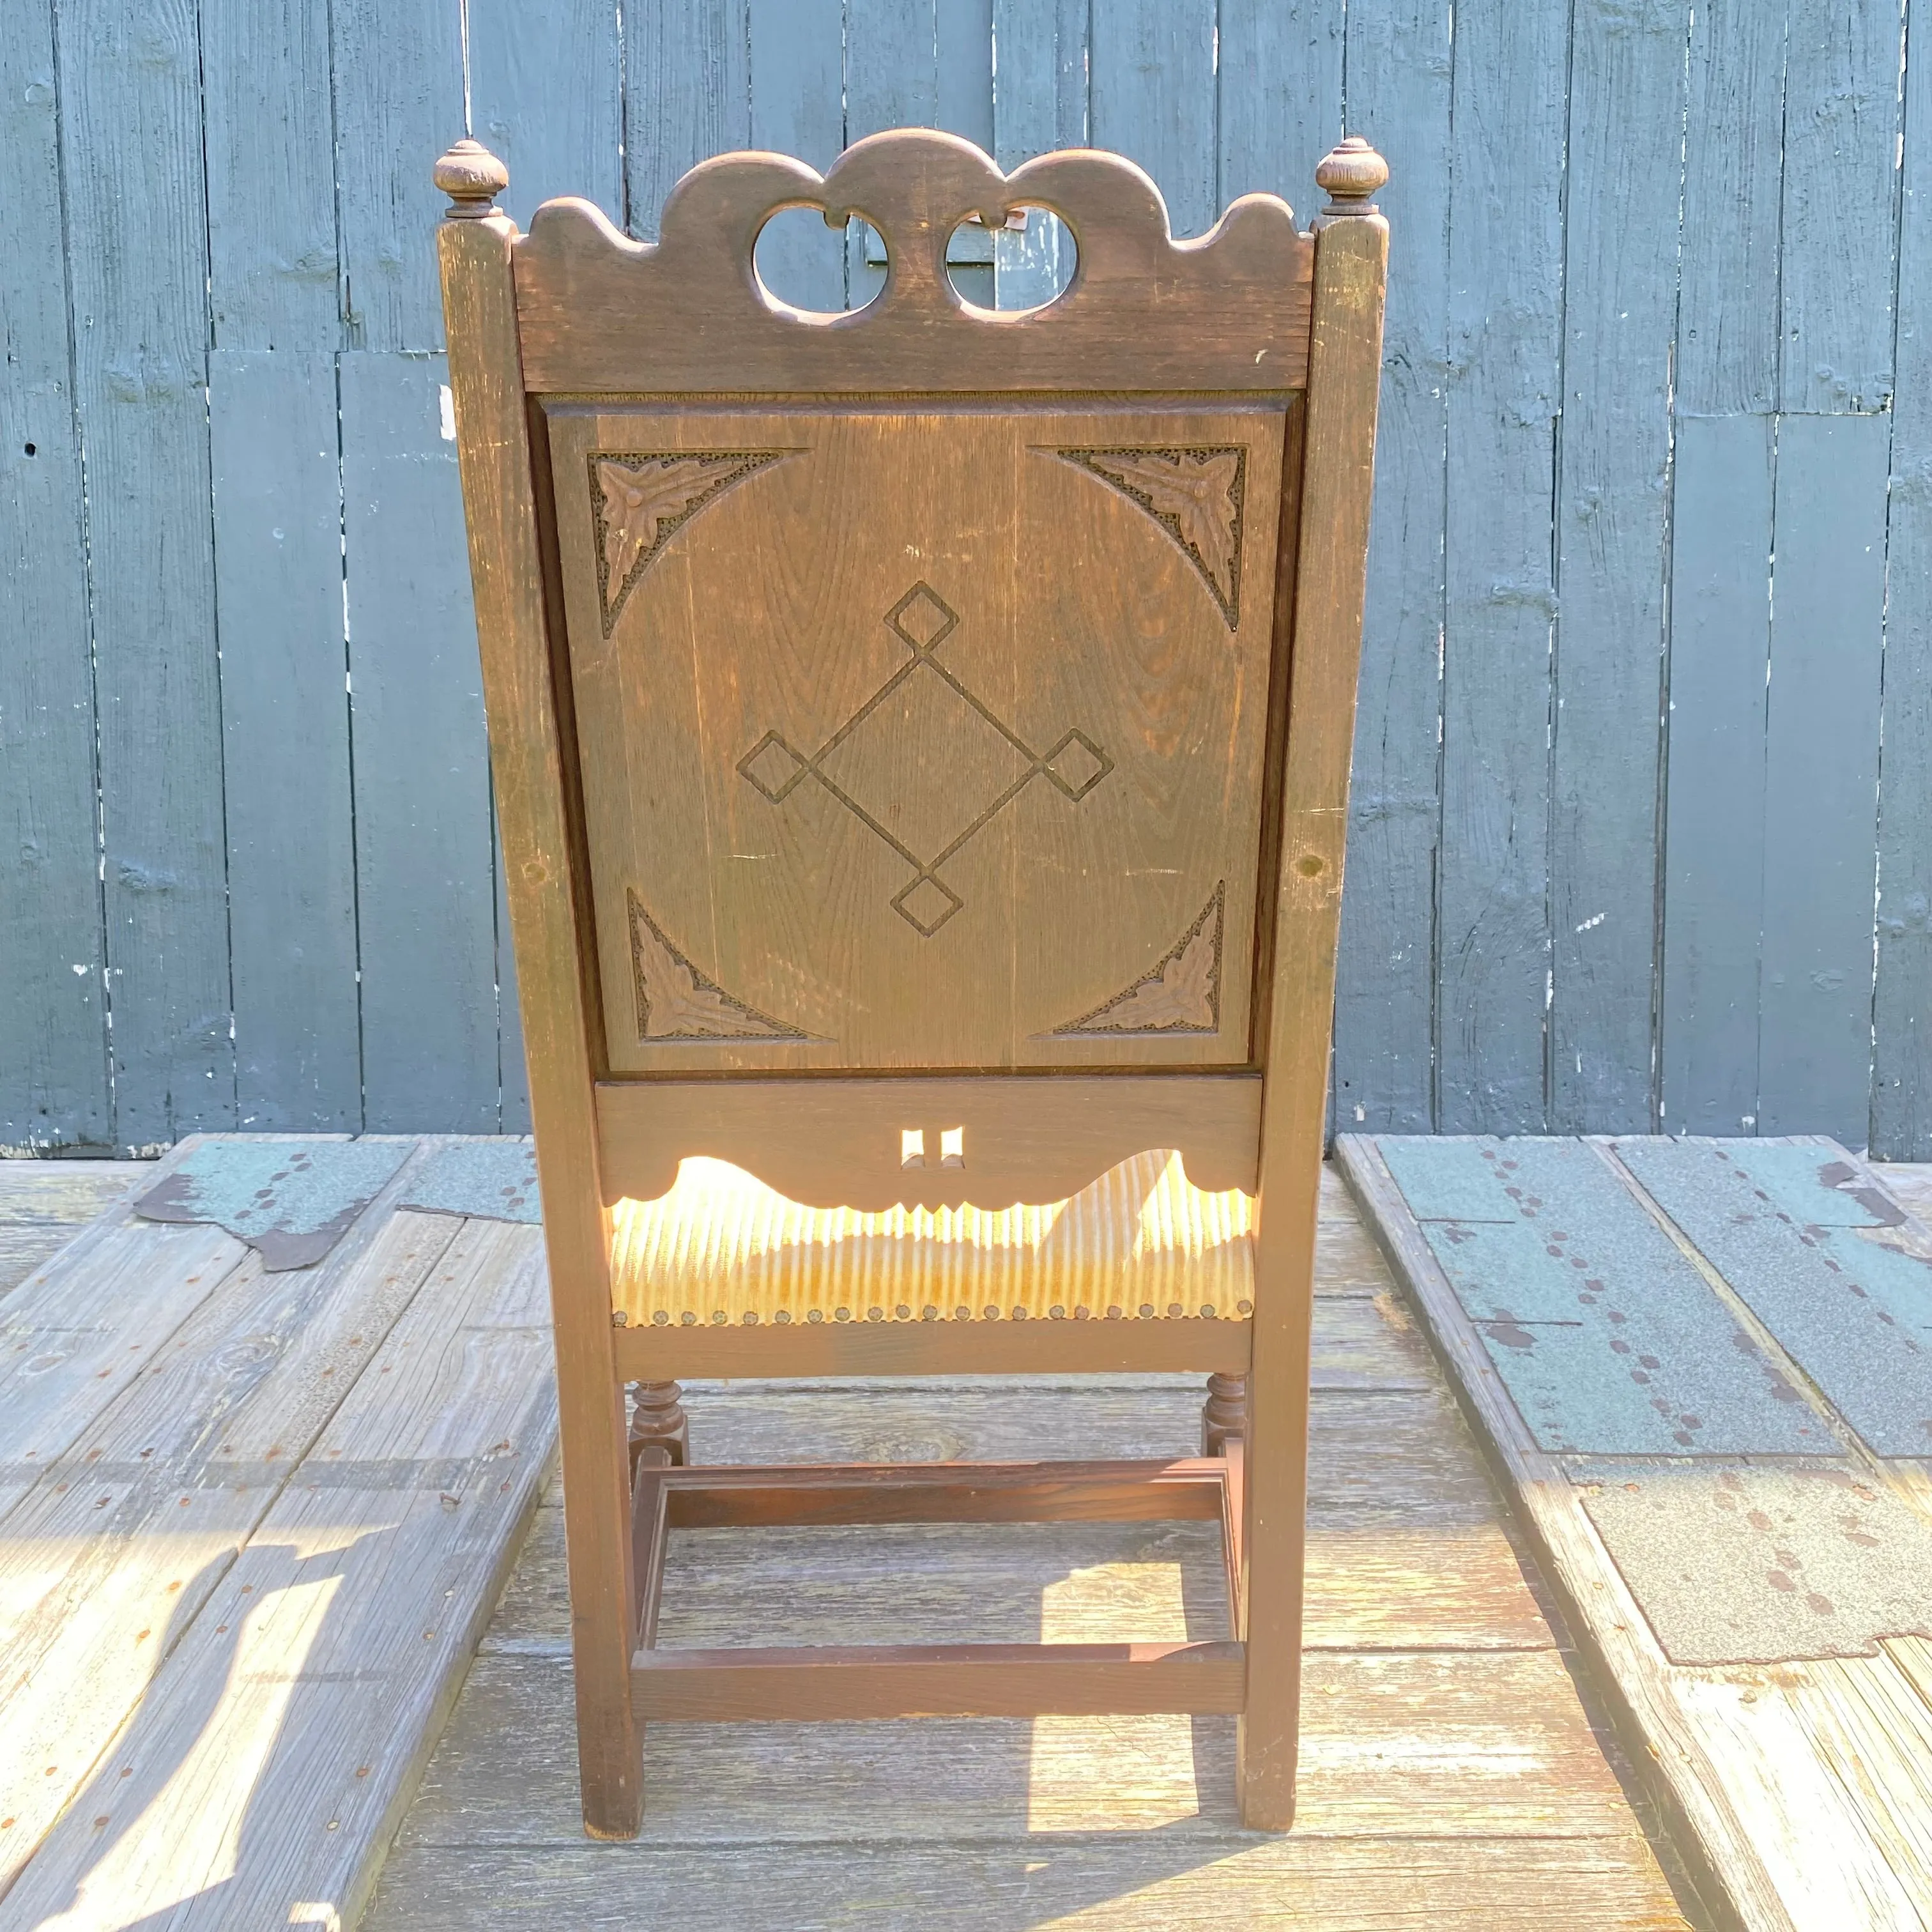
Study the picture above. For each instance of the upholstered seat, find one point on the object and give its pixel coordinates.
(1141, 1243)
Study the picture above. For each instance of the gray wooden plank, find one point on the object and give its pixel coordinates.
(1039, 103)
(44, 1204)
(1902, 1007)
(797, 81)
(891, 65)
(1624, 169)
(545, 97)
(1505, 272)
(1727, 350)
(892, 80)
(1280, 97)
(962, 38)
(1714, 798)
(271, 1755)
(53, 1046)
(1128, 1881)
(272, 268)
(1385, 1065)
(1838, 215)
(688, 95)
(424, 879)
(1508, 1753)
(1152, 97)
(124, 1538)
(398, 104)
(131, 151)
(1821, 812)
(277, 502)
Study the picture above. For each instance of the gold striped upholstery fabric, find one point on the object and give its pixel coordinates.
(1141, 1243)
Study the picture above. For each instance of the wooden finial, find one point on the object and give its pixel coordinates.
(1350, 174)
(472, 178)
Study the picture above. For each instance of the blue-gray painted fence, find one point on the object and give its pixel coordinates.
(1643, 783)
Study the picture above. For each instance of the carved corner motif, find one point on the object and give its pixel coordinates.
(1195, 495)
(676, 1001)
(639, 501)
(1181, 994)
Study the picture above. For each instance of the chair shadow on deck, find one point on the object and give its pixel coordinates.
(196, 1802)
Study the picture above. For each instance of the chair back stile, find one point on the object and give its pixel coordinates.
(921, 738)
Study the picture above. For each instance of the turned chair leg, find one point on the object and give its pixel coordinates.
(1224, 1414)
(659, 1425)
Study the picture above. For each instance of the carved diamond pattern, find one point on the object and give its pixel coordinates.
(927, 764)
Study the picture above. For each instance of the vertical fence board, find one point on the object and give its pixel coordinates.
(963, 44)
(426, 880)
(797, 73)
(1279, 75)
(1714, 814)
(1625, 147)
(1505, 276)
(253, 179)
(273, 275)
(1839, 211)
(1151, 77)
(545, 97)
(892, 68)
(131, 144)
(285, 740)
(688, 95)
(1902, 1091)
(1399, 78)
(53, 1047)
(398, 69)
(1039, 103)
(1821, 778)
(1727, 341)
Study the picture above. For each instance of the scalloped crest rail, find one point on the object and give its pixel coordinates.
(909, 795)
(599, 312)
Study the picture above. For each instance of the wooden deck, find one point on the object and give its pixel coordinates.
(236, 1726)
(1705, 1370)
(1452, 1776)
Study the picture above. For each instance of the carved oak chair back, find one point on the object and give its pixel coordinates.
(921, 739)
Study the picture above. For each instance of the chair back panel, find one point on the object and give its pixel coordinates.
(921, 736)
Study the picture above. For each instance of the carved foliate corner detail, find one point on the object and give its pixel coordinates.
(1181, 994)
(676, 1001)
(1195, 495)
(640, 502)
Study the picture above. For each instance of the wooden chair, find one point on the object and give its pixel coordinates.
(921, 739)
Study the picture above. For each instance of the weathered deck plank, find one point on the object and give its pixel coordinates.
(110, 1558)
(45, 1204)
(1807, 1783)
(1132, 1882)
(1441, 1718)
(1452, 1776)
